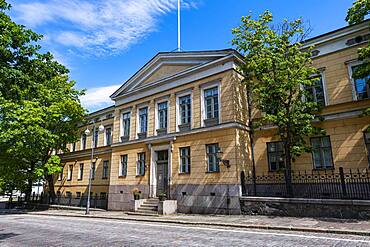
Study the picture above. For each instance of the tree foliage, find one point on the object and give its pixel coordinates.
(356, 14)
(39, 106)
(276, 72)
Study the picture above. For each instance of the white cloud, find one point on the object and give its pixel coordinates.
(97, 98)
(96, 26)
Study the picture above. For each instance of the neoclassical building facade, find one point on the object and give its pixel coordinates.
(178, 128)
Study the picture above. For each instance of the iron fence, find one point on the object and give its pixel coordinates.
(325, 184)
(75, 201)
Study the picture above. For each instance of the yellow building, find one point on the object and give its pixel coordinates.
(179, 128)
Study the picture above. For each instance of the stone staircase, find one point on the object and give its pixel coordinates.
(149, 207)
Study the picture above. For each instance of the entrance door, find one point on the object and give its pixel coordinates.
(162, 172)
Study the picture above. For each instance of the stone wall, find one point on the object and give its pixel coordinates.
(207, 199)
(299, 207)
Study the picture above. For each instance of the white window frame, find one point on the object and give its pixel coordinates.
(80, 173)
(156, 120)
(96, 139)
(138, 119)
(351, 80)
(69, 172)
(202, 103)
(81, 142)
(121, 122)
(323, 81)
(137, 164)
(105, 134)
(120, 174)
(178, 116)
(180, 164)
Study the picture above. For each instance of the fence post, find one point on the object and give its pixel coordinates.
(342, 182)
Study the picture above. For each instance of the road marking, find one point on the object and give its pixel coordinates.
(163, 224)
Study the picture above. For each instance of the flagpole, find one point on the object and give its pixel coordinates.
(179, 25)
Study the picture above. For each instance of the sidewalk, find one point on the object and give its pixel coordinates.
(336, 226)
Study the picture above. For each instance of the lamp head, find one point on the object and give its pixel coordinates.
(101, 128)
(87, 132)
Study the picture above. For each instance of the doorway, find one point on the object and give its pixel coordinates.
(162, 172)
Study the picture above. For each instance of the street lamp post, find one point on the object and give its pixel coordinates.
(87, 132)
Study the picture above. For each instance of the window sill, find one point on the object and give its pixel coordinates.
(142, 135)
(105, 178)
(210, 172)
(211, 122)
(184, 127)
(184, 173)
(69, 179)
(140, 176)
(161, 132)
(324, 169)
(122, 176)
(124, 138)
(80, 179)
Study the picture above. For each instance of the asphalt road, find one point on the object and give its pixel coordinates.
(34, 230)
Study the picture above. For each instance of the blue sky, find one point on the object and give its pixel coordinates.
(104, 42)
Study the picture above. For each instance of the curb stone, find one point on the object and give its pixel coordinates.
(202, 223)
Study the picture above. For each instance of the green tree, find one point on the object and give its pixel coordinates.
(276, 71)
(356, 14)
(39, 107)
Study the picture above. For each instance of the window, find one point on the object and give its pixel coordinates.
(69, 194)
(74, 147)
(367, 143)
(185, 109)
(211, 103)
(321, 152)
(60, 176)
(103, 195)
(108, 136)
(275, 156)
(83, 141)
(123, 166)
(96, 138)
(316, 91)
(185, 160)
(162, 115)
(126, 125)
(212, 160)
(93, 170)
(140, 169)
(78, 195)
(70, 171)
(361, 86)
(81, 171)
(105, 169)
(143, 120)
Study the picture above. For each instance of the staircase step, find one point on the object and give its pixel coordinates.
(150, 204)
(149, 207)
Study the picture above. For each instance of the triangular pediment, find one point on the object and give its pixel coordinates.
(167, 65)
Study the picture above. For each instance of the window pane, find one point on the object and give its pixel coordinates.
(316, 158)
(327, 157)
(325, 141)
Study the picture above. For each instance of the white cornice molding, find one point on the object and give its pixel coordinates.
(315, 41)
(173, 136)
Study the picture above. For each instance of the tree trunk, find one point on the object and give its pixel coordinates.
(50, 179)
(288, 165)
(28, 191)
